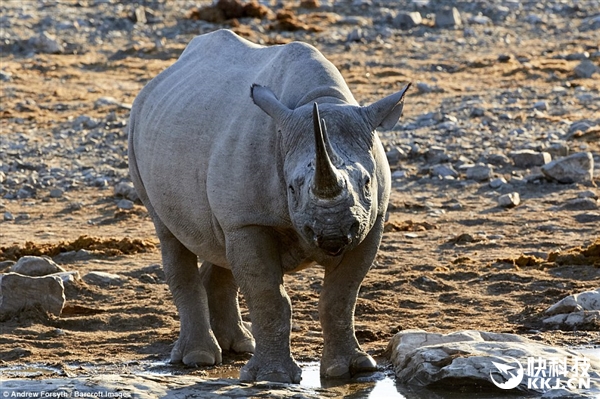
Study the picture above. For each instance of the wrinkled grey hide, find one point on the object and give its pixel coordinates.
(239, 168)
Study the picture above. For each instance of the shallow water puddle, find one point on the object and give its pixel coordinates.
(380, 384)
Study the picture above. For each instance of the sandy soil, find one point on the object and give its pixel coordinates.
(450, 259)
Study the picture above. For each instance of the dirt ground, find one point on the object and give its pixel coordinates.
(451, 258)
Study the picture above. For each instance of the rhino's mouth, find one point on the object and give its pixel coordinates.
(331, 244)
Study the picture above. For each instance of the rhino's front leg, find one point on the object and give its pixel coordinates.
(342, 355)
(254, 260)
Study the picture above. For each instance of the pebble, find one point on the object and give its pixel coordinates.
(407, 20)
(480, 172)
(56, 193)
(509, 200)
(497, 182)
(103, 279)
(585, 70)
(443, 171)
(127, 190)
(8, 216)
(529, 158)
(447, 18)
(46, 43)
(578, 167)
(125, 204)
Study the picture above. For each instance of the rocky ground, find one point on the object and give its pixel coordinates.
(483, 233)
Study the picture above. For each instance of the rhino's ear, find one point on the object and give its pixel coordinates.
(385, 113)
(268, 102)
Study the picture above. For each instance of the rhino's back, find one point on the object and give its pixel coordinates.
(204, 153)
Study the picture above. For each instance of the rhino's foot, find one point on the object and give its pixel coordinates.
(347, 366)
(196, 353)
(286, 371)
(238, 338)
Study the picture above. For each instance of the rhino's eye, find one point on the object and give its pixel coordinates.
(367, 187)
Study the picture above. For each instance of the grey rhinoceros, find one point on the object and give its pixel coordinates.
(239, 166)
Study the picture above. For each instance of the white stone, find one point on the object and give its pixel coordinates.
(407, 20)
(430, 359)
(19, 292)
(448, 18)
(509, 200)
(578, 167)
(103, 278)
(480, 172)
(587, 300)
(36, 266)
(529, 158)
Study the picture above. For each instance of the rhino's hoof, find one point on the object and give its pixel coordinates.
(196, 357)
(289, 372)
(346, 368)
(244, 346)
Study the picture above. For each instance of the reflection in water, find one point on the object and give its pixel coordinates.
(373, 385)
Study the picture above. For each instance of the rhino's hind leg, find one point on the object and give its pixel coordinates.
(197, 345)
(225, 317)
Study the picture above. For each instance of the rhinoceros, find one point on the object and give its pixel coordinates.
(259, 162)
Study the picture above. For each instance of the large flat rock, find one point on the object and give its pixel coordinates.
(473, 358)
(156, 386)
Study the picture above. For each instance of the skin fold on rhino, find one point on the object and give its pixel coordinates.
(258, 186)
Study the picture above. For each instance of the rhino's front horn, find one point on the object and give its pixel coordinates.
(326, 183)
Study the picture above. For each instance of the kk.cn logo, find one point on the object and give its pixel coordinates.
(543, 373)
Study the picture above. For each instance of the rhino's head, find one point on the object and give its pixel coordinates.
(335, 189)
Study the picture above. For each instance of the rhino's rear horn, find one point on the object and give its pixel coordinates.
(326, 183)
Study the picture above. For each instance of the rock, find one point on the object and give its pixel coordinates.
(580, 204)
(474, 358)
(427, 88)
(480, 20)
(395, 155)
(497, 182)
(46, 43)
(496, 159)
(36, 266)
(588, 194)
(443, 171)
(541, 105)
(19, 292)
(436, 154)
(407, 20)
(310, 4)
(529, 158)
(479, 172)
(159, 386)
(585, 70)
(125, 204)
(126, 190)
(587, 300)
(103, 278)
(69, 279)
(56, 193)
(509, 200)
(578, 167)
(576, 320)
(575, 311)
(8, 216)
(448, 17)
